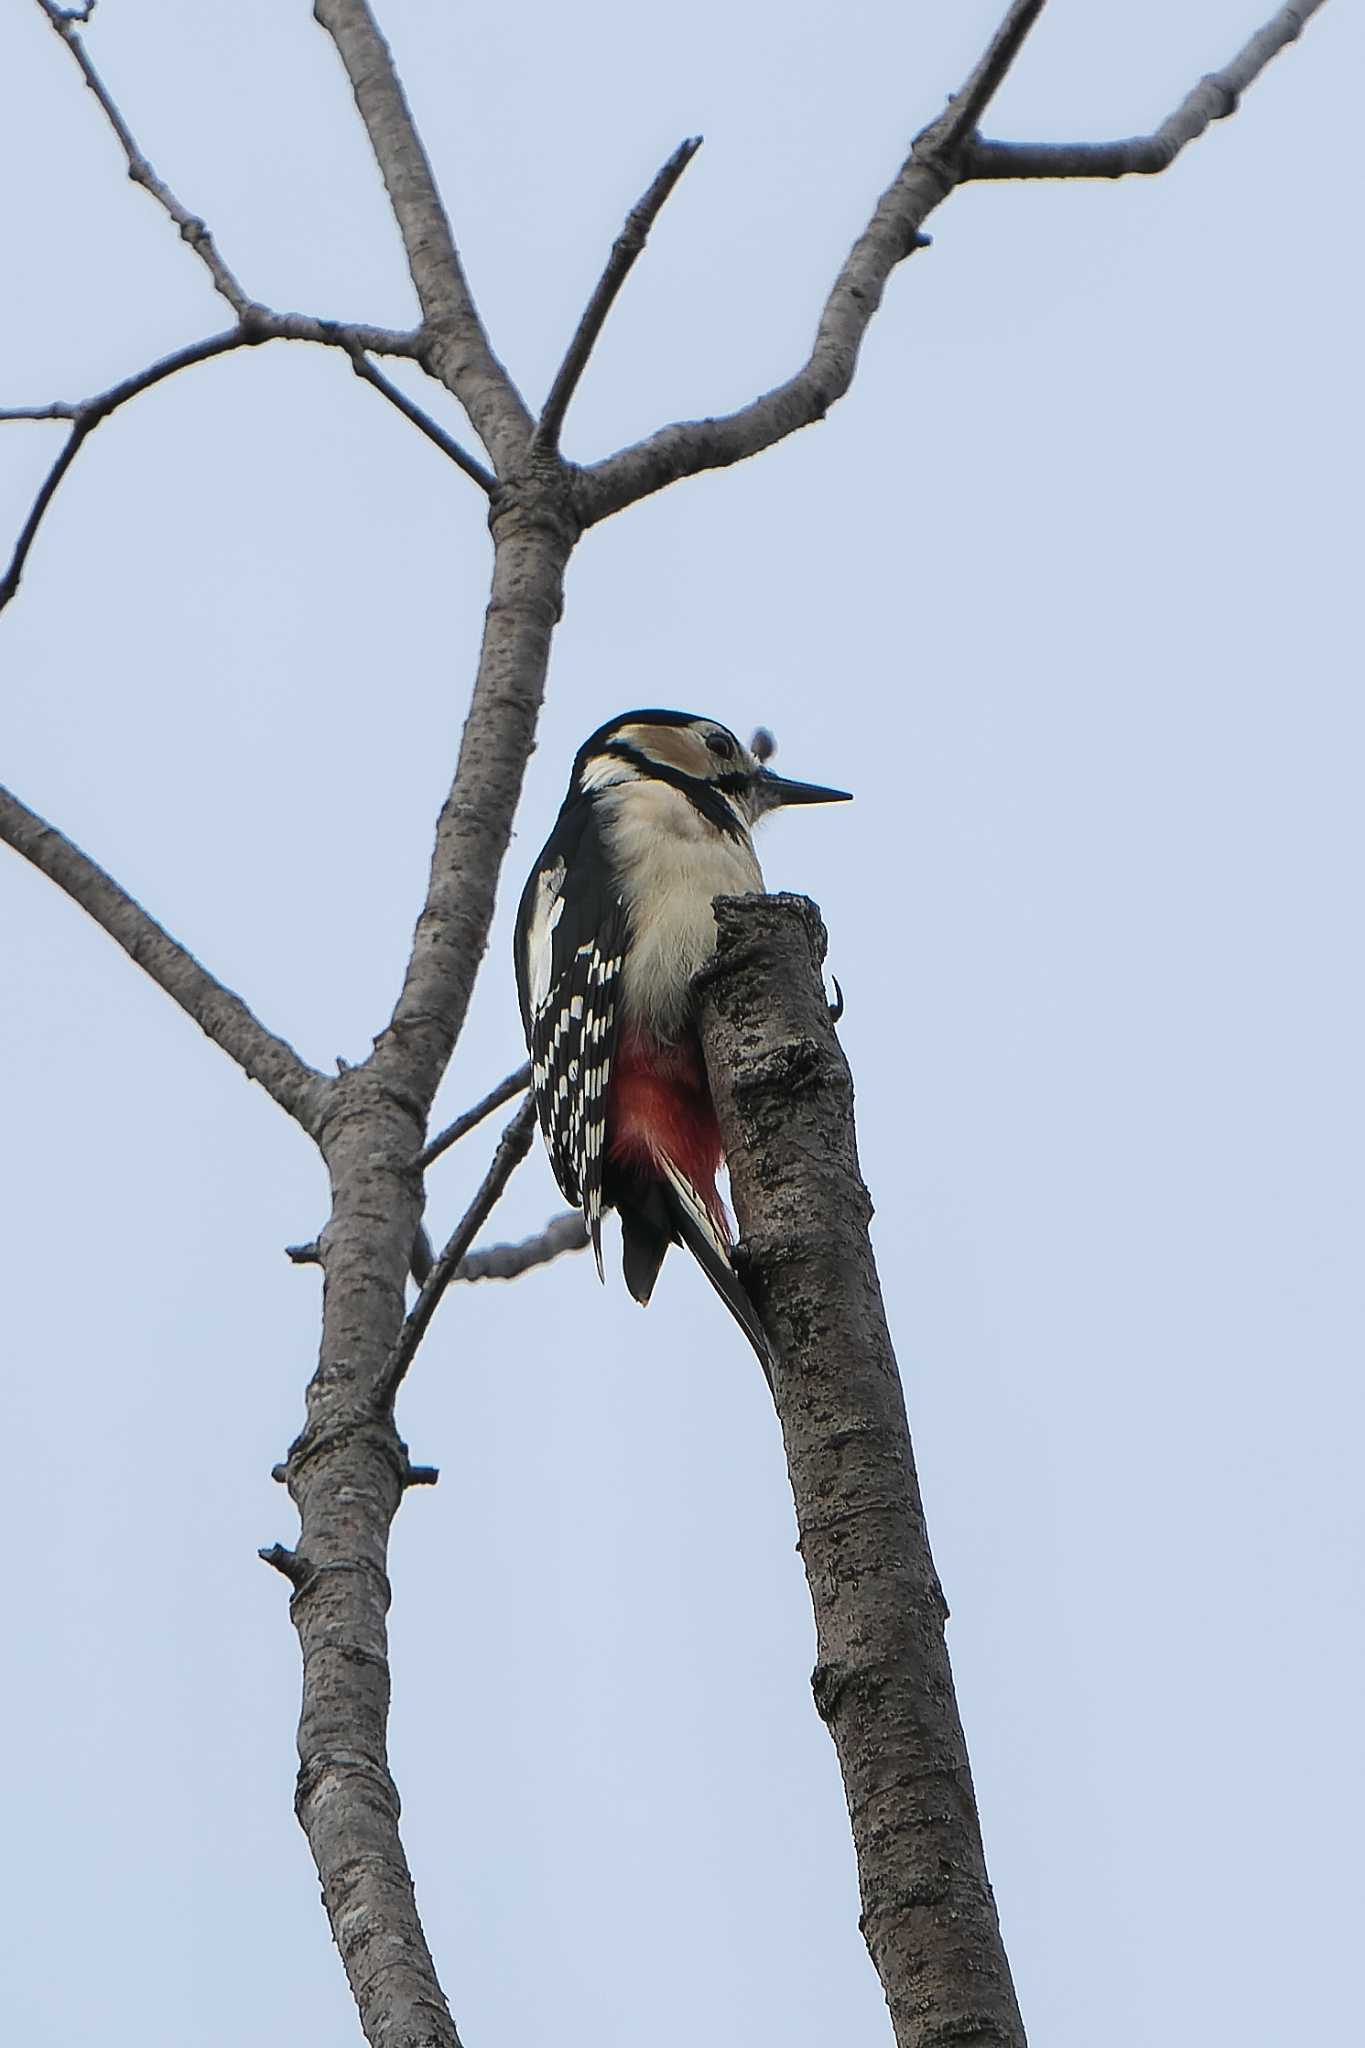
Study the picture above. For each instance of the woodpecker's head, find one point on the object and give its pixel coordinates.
(726, 782)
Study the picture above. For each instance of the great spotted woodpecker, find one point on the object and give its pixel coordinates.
(614, 923)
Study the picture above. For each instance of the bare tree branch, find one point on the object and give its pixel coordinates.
(514, 1084)
(625, 249)
(1213, 99)
(893, 233)
(882, 1683)
(566, 1233)
(459, 351)
(85, 418)
(260, 325)
(223, 1016)
(461, 457)
(946, 154)
(534, 532)
(193, 230)
(513, 1146)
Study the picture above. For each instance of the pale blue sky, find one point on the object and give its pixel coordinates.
(1067, 594)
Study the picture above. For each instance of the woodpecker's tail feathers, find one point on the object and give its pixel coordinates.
(647, 1230)
(696, 1226)
(592, 1216)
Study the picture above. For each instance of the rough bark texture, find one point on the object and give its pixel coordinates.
(534, 532)
(458, 349)
(882, 1682)
(346, 1474)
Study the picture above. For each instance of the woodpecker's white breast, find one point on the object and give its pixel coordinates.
(670, 863)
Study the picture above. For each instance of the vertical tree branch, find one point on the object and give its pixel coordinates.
(346, 1474)
(882, 1681)
(459, 351)
(534, 534)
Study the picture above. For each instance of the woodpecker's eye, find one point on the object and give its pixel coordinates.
(721, 745)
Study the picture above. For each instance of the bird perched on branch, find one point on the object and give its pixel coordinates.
(614, 923)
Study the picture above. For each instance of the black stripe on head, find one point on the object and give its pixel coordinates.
(706, 797)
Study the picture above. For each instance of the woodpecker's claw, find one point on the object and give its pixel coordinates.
(836, 1008)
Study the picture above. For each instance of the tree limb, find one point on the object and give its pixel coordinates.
(882, 1683)
(495, 1098)
(946, 154)
(925, 179)
(513, 1146)
(458, 349)
(625, 249)
(1213, 99)
(220, 1014)
(566, 1233)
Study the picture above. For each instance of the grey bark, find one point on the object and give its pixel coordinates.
(458, 350)
(346, 1474)
(882, 1681)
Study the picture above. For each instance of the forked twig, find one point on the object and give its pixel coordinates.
(946, 154)
(1213, 99)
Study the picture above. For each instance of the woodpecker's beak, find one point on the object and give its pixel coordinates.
(770, 790)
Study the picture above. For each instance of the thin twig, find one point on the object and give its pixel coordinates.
(192, 230)
(566, 1233)
(366, 370)
(223, 1016)
(624, 252)
(85, 418)
(1213, 99)
(513, 1146)
(495, 1098)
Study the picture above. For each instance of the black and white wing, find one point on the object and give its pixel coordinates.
(570, 942)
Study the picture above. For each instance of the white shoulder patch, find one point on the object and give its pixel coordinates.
(549, 908)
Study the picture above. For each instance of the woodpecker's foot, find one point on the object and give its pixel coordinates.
(836, 1008)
